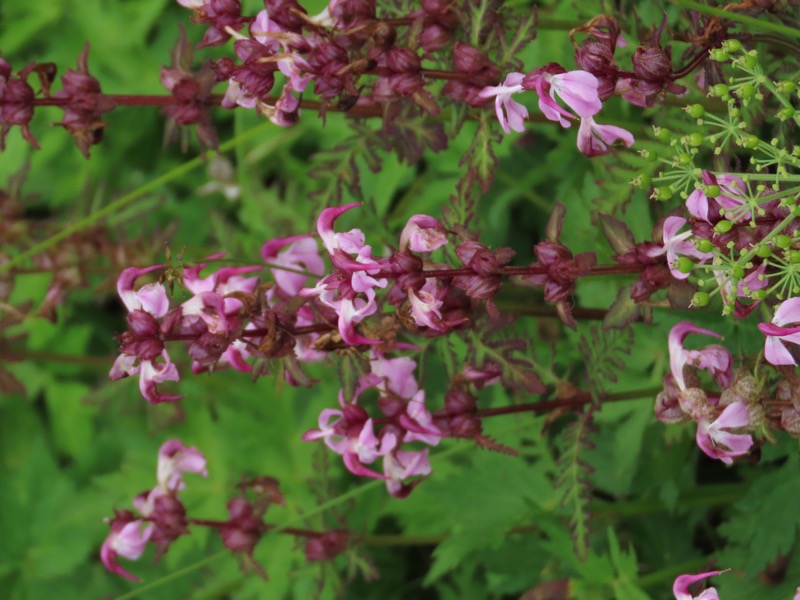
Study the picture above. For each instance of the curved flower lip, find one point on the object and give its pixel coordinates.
(325, 224)
(152, 299)
(681, 586)
(787, 312)
(777, 330)
(510, 113)
(678, 357)
(716, 442)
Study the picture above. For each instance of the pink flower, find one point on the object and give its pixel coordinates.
(400, 465)
(775, 350)
(595, 139)
(423, 234)
(675, 243)
(510, 113)
(126, 539)
(151, 298)
(297, 252)
(716, 442)
(578, 90)
(418, 422)
(426, 307)
(175, 459)
(715, 359)
(733, 189)
(681, 587)
(150, 373)
(223, 282)
(394, 375)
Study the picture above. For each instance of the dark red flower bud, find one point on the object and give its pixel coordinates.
(465, 426)
(458, 401)
(244, 529)
(469, 59)
(435, 37)
(143, 324)
(652, 63)
(403, 60)
(392, 405)
(326, 545)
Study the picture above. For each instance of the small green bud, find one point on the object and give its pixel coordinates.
(684, 159)
(786, 87)
(695, 139)
(662, 134)
(696, 110)
(711, 191)
(751, 141)
(786, 113)
(719, 90)
(704, 245)
(758, 294)
(746, 90)
(794, 257)
(732, 46)
(719, 55)
(700, 299)
(684, 265)
(663, 193)
(644, 180)
(783, 241)
(723, 227)
(748, 61)
(763, 251)
(737, 272)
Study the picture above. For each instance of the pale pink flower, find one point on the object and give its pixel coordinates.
(175, 459)
(418, 422)
(422, 234)
(150, 373)
(578, 90)
(151, 298)
(393, 375)
(426, 307)
(732, 194)
(778, 334)
(675, 244)
(595, 139)
(399, 465)
(126, 539)
(224, 281)
(714, 439)
(510, 113)
(681, 587)
(715, 359)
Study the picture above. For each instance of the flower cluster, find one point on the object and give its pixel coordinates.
(577, 89)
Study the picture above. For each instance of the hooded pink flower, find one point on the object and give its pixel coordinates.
(715, 359)
(510, 113)
(297, 252)
(418, 422)
(595, 139)
(393, 375)
(175, 459)
(126, 539)
(578, 90)
(423, 234)
(714, 439)
(426, 306)
(224, 281)
(675, 243)
(681, 587)
(151, 298)
(731, 197)
(778, 335)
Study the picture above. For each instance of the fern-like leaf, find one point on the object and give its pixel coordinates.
(517, 371)
(603, 353)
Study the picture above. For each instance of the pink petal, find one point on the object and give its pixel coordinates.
(787, 312)
(681, 586)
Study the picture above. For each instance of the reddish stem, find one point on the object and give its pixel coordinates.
(578, 399)
(285, 530)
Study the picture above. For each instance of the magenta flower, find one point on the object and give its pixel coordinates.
(715, 359)
(426, 306)
(297, 252)
(223, 282)
(778, 335)
(423, 234)
(399, 465)
(675, 243)
(150, 373)
(578, 90)
(510, 113)
(151, 298)
(681, 587)
(595, 139)
(126, 539)
(418, 422)
(393, 375)
(175, 459)
(714, 439)
(733, 189)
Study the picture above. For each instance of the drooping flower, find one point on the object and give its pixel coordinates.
(400, 465)
(510, 113)
(595, 139)
(681, 587)
(175, 459)
(715, 359)
(423, 234)
(731, 197)
(298, 252)
(778, 334)
(418, 422)
(126, 539)
(715, 439)
(578, 90)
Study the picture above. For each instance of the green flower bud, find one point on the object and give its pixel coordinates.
(732, 46)
(711, 191)
(758, 294)
(695, 139)
(704, 245)
(763, 251)
(794, 257)
(723, 227)
(783, 241)
(751, 141)
(684, 265)
(786, 113)
(719, 55)
(684, 159)
(786, 87)
(749, 60)
(696, 110)
(737, 272)
(663, 193)
(662, 134)
(746, 90)
(719, 90)
(700, 299)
